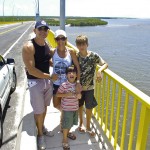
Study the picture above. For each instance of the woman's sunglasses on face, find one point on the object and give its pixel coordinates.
(60, 38)
(43, 29)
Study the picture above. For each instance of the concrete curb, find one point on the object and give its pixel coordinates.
(26, 138)
(27, 134)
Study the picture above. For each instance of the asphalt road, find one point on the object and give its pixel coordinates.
(12, 38)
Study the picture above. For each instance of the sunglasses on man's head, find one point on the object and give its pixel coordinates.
(43, 29)
(60, 38)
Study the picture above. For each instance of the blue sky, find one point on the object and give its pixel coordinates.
(89, 8)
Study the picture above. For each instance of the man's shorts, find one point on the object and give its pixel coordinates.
(88, 98)
(69, 118)
(55, 88)
(41, 92)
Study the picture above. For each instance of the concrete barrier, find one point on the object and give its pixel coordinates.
(27, 134)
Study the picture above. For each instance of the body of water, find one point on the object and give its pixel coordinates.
(124, 44)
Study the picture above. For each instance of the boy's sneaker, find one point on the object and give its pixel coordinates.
(41, 143)
(47, 133)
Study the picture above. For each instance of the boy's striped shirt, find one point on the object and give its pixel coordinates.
(68, 103)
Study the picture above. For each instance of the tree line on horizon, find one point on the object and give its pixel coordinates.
(54, 21)
(78, 22)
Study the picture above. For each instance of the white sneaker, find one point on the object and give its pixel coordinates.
(41, 143)
(47, 133)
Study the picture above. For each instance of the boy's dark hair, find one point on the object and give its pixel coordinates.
(71, 69)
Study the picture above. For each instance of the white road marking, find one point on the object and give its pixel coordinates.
(16, 42)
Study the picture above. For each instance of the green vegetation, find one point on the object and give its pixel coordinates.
(14, 19)
(54, 21)
(78, 21)
(85, 22)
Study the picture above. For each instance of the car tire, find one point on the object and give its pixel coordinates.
(1, 129)
(14, 82)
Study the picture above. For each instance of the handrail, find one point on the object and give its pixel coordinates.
(115, 96)
(133, 90)
(127, 97)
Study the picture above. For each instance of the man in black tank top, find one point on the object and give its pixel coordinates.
(36, 57)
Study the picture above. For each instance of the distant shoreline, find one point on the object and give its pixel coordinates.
(77, 21)
(70, 21)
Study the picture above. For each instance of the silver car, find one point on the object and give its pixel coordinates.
(8, 82)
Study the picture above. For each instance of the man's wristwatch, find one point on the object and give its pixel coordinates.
(78, 81)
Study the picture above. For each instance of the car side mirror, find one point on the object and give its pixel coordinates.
(10, 61)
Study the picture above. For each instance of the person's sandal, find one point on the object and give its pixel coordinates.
(66, 146)
(81, 130)
(71, 136)
(47, 133)
(91, 133)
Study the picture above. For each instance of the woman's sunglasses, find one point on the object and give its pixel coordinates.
(60, 38)
(43, 29)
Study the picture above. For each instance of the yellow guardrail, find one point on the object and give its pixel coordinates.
(123, 111)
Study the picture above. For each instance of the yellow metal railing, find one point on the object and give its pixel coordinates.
(123, 111)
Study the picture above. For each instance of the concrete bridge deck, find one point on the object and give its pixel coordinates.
(27, 137)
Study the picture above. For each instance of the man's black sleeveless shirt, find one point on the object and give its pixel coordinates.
(41, 57)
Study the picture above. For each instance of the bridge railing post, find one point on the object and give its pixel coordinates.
(143, 128)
